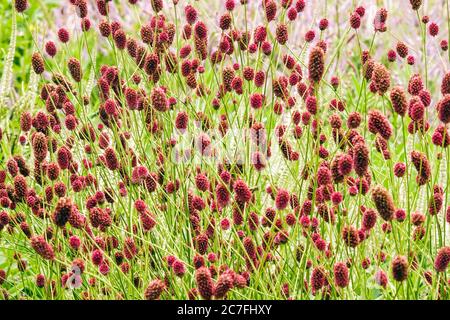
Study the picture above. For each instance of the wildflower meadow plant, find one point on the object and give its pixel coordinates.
(276, 149)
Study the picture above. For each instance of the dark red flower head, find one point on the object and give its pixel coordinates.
(42, 247)
(383, 202)
(398, 99)
(400, 268)
(74, 67)
(282, 199)
(242, 192)
(191, 14)
(443, 109)
(442, 259)
(63, 35)
(341, 274)
(415, 4)
(159, 99)
(281, 34)
(205, 285)
(154, 289)
(316, 64)
(37, 63)
(21, 5)
(120, 39)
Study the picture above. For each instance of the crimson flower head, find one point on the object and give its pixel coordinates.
(21, 5)
(242, 192)
(154, 289)
(42, 247)
(38, 63)
(282, 199)
(400, 268)
(205, 285)
(316, 64)
(63, 35)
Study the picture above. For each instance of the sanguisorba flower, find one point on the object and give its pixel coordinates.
(341, 274)
(40, 146)
(355, 20)
(378, 123)
(242, 192)
(282, 34)
(154, 289)
(381, 278)
(381, 78)
(224, 284)
(398, 99)
(111, 160)
(399, 267)
(422, 165)
(316, 64)
(443, 108)
(271, 9)
(350, 236)
(282, 199)
(50, 48)
(383, 202)
(38, 63)
(360, 158)
(445, 84)
(42, 247)
(62, 212)
(415, 4)
(442, 259)
(75, 69)
(63, 35)
(21, 5)
(20, 186)
(159, 99)
(205, 285)
(120, 39)
(318, 278)
(402, 49)
(369, 219)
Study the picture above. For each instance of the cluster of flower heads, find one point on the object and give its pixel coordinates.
(94, 187)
